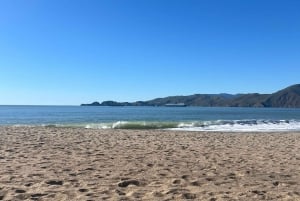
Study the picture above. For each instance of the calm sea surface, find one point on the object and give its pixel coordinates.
(176, 118)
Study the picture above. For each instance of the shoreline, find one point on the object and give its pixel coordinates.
(52, 163)
(151, 127)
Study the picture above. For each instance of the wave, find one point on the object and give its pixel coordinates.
(242, 126)
(216, 125)
(134, 125)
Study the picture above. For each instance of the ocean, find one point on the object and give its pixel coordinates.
(173, 118)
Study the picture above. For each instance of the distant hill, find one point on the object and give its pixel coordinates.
(287, 98)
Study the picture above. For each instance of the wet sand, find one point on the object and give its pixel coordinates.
(85, 164)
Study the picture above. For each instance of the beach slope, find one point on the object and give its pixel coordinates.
(84, 164)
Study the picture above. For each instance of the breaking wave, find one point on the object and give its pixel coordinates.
(134, 125)
(217, 125)
(242, 126)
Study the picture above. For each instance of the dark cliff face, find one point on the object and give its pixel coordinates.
(288, 97)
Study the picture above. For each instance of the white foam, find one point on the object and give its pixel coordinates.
(237, 126)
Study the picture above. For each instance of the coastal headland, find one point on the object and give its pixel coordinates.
(285, 98)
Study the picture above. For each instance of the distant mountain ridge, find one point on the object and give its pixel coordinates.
(286, 98)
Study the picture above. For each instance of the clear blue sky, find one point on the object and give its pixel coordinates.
(72, 52)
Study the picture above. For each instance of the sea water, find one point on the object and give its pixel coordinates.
(174, 118)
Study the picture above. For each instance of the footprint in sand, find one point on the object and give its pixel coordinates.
(37, 196)
(83, 190)
(20, 191)
(55, 182)
(196, 183)
(120, 192)
(176, 181)
(189, 196)
(128, 182)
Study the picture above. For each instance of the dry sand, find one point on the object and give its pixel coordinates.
(81, 164)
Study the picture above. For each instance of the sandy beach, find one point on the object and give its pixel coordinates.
(85, 164)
